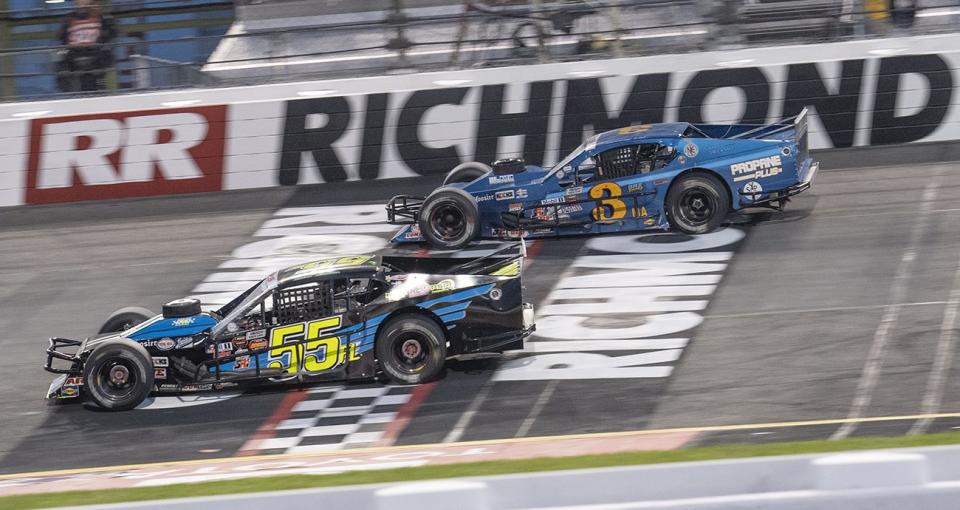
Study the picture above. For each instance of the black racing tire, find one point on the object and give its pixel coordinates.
(449, 218)
(118, 374)
(125, 318)
(181, 308)
(697, 203)
(411, 349)
(467, 172)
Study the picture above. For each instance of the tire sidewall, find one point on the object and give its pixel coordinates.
(467, 207)
(708, 184)
(466, 172)
(117, 319)
(394, 331)
(114, 349)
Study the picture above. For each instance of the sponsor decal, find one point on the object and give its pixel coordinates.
(166, 343)
(555, 200)
(691, 150)
(256, 334)
(543, 231)
(239, 343)
(242, 362)
(168, 387)
(682, 159)
(196, 387)
(505, 195)
(659, 182)
(257, 344)
(485, 198)
(752, 187)
(567, 210)
(224, 349)
(515, 207)
(69, 391)
(522, 193)
(634, 188)
(756, 168)
(184, 321)
(443, 286)
(575, 190)
(159, 373)
(210, 349)
(126, 154)
(633, 129)
(161, 361)
(73, 381)
(544, 213)
(184, 341)
(649, 222)
(414, 232)
(501, 179)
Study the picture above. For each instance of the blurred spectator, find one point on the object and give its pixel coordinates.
(903, 12)
(84, 33)
(877, 16)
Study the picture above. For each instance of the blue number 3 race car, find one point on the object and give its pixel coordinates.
(683, 176)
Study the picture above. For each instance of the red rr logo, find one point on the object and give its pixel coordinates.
(128, 154)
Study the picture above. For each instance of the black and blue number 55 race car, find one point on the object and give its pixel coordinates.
(681, 176)
(339, 318)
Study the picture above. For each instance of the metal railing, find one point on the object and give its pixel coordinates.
(282, 41)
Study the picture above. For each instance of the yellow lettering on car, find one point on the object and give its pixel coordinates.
(312, 361)
(610, 206)
(318, 354)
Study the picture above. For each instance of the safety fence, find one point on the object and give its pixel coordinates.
(288, 40)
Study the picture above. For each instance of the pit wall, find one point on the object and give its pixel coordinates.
(862, 93)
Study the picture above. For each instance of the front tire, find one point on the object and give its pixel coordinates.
(449, 219)
(411, 349)
(466, 172)
(697, 203)
(118, 374)
(124, 319)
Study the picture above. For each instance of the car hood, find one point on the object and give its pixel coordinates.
(493, 182)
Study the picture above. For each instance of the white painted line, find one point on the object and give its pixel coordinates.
(297, 423)
(347, 411)
(378, 418)
(898, 289)
(461, 426)
(946, 344)
(362, 392)
(311, 405)
(330, 430)
(387, 400)
(277, 443)
(537, 408)
(819, 310)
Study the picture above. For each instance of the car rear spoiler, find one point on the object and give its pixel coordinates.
(798, 123)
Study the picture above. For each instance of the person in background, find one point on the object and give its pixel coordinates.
(877, 16)
(903, 12)
(84, 33)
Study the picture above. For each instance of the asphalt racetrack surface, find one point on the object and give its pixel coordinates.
(843, 307)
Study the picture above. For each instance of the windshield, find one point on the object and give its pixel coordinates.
(592, 141)
(252, 297)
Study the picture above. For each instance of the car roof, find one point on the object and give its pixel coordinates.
(302, 273)
(640, 132)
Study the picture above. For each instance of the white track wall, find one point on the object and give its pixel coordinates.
(873, 92)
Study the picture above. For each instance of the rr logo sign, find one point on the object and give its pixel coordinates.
(128, 154)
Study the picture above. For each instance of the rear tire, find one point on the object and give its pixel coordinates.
(449, 219)
(124, 319)
(118, 374)
(697, 203)
(411, 349)
(466, 172)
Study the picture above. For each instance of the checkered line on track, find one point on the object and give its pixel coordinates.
(336, 418)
